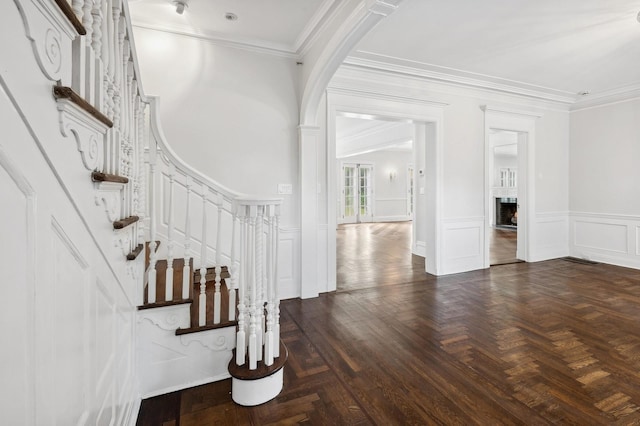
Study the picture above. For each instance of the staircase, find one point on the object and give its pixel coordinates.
(208, 304)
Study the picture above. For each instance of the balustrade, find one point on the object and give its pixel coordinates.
(243, 252)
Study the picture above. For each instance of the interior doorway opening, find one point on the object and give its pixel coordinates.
(503, 233)
(375, 175)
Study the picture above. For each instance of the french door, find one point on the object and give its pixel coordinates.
(357, 193)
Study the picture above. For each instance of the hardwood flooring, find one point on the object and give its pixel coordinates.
(543, 343)
(502, 246)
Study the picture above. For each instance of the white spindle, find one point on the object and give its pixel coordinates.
(241, 339)
(96, 39)
(168, 286)
(276, 297)
(217, 305)
(259, 264)
(231, 282)
(268, 339)
(186, 271)
(151, 291)
(87, 20)
(252, 279)
(202, 305)
(76, 5)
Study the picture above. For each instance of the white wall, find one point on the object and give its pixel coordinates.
(390, 196)
(229, 113)
(68, 351)
(605, 183)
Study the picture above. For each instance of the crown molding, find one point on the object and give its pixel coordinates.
(431, 72)
(621, 94)
(251, 45)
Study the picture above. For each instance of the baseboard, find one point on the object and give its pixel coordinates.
(419, 248)
(191, 384)
(402, 218)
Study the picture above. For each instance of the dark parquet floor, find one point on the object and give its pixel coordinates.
(544, 343)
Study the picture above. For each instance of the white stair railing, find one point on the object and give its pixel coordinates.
(238, 233)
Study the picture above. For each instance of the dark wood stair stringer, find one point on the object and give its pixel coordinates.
(97, 176)
(123, 223)
(64, 92)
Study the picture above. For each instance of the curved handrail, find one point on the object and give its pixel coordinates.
(180, 164)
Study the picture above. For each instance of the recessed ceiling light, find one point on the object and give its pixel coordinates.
(230, 16)
(584, 93)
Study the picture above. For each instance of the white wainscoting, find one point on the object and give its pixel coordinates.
(289, 263)
(462, 245)
(391, 210)
(550, 236)
(607, 238)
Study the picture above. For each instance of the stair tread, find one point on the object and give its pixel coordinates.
(164, 303)
(189, 330)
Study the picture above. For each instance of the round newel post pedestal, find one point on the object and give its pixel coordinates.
(255, 387)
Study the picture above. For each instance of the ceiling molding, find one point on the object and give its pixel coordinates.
(336, 88)
(456, 77)
(251, 45)
(394, 144)
(622, 94)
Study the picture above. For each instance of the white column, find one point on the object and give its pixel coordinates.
(309, 139)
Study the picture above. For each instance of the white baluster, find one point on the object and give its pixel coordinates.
(202, 305)
(140, 180)
(241, 340)
(96, 38)
(76, 5)
(186, 271)
(276, 297)
(268, 339)
(259, 264)
(217, 299)
(151, 291)
(168, 287)
(232, 280)
(252, 279)
(87, 20)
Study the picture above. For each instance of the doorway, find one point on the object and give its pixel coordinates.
(513, 184)
(503, 234)
(357, 193)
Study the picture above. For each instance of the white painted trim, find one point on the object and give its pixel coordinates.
(523, 122)
(315, 26)
(622, 94)
(607, 216)
(247, 44)
(369, 60)
(420, 248)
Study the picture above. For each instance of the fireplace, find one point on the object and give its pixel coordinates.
(507, 212)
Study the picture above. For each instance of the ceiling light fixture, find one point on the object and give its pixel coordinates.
(181, 5)
(230, 16)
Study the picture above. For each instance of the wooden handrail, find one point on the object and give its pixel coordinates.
(66, 9)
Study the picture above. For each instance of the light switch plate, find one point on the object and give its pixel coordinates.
(285, 189)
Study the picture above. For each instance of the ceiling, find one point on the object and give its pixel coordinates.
(560, 48)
